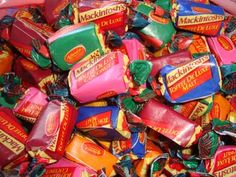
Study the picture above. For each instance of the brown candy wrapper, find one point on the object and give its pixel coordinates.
(158, 117)
(52, 131)
(12, 137)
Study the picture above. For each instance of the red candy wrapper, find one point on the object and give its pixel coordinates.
(52, 131)
(158, 117)
(171, 59)
(12, 137)
(108, 15)
(31, 105)
(32, 75)
(223, 163)
(27, 37)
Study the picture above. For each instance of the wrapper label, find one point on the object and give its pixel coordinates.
(11, 143)
(188, 77)
(97, 120)
(201, 19)
(225, 164)
(101, 66)
(102, 12)
(93, 149)
(63, 171)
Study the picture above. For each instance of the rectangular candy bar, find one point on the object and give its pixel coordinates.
(105, 123)
(107, 73)
(196, 79)
(158, 117)
(12, 137)
(85, 151)
(52, 131)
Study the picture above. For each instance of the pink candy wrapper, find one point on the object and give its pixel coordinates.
(17, 3)
(101, 77)
(228, 5)
(223, 48)
(31, 105)
(68, 168)
(133, 49)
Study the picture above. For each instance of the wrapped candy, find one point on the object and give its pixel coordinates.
(66, 167)
(196, 79)
(181, 130)
(32, 75)
(108, 73)
(84, 47)
(105, 123)
(85, 151)
(29, 38)
(6, 60)
(159, 31)
(223, 48)
(12, 138)
(30, 105)
(55, 124)
(108, 15)
(196, 17)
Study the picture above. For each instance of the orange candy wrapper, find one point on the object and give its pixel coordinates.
(85, 151)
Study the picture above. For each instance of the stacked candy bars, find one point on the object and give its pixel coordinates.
(118, 88)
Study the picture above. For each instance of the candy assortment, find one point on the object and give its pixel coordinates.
(118, 88)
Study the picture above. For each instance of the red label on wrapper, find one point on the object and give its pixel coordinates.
(93, 149)
(96, 120)
(75, 54)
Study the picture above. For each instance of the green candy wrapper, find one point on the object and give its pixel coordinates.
(73, 43)
(160, 30)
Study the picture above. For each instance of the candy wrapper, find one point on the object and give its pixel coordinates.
(152, 163)
(84, 41)
(228, 5)
(105, 123)
(195, 109)
(223, 48)
(133, 49)
(85, 151)
(32, 75)
(12, 137)
(220, 109)
(196, 44)
(230, 31)
(196, 79)
(196, 17)
(55, 123)
(223, 163)
(159, 31)
(30, 39)
(53, 10)
(30, 105)
(6, 60)
(107, 73)
(108, 15)
(181, 130)
(229, 79)
(65, 167)
(14, 3)
(171, 59)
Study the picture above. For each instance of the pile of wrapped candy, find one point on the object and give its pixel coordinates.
(118, 88)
